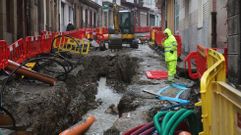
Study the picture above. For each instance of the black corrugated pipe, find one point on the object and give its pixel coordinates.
(214, 29)
(214, 24)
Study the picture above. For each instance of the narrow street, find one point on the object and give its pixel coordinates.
(120, 67)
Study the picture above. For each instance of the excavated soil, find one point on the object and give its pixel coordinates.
(47, 110)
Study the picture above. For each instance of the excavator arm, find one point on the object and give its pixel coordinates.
(116, 18)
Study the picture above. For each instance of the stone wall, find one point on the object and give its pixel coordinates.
(233, 8)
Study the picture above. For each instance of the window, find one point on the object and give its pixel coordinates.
(95, 20)
(91, 23)
(177, 10)
(86, 17)
(105, 19)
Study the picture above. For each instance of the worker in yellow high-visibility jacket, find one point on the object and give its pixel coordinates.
(170, 53)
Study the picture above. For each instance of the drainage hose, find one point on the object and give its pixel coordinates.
(79, 128)
(156, 121)
(129, 132)
(148, 131)
(143, 128)
(172, 119)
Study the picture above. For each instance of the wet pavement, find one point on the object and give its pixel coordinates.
(107, 111)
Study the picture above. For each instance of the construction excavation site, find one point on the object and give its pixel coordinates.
(90, 82)
(95, 83)
(108, 85)
(120, 67)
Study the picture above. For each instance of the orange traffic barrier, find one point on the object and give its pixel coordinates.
(79, 128)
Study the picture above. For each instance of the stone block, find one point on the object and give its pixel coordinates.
(230, 26)
(236, 7)
(233, 44)
(233, 68)
(230, 8)
(236, 24)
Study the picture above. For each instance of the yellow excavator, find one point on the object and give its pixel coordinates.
(124, 29)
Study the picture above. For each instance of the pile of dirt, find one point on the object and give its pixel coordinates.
(48, 110)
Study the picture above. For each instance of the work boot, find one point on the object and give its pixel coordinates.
(168, 82)
(176, 76)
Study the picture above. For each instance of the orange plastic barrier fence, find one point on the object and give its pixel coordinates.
(159, 37)
(4, 54)
(145, 29)
(46, 42)
(18, 51)
(80, 33)
(33, 44)
(199, 59)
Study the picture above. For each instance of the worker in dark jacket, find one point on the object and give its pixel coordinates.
(170, 52)
(70, 26)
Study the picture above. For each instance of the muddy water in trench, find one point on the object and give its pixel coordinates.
(103, 120)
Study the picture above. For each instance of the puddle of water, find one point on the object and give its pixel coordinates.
(103, 120)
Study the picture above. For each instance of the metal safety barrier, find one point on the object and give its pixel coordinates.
(220, 102)
(69, 44)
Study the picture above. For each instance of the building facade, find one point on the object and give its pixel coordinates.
(30, 17)
(82, 13)
(211, 23)
(146, 12)
(27, 17)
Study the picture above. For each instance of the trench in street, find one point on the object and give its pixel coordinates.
(106, 98)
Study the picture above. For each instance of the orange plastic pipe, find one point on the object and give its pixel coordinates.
(79, 128)
(30, 73)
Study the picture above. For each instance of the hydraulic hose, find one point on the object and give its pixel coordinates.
(156, 121)
(179, 120)
(166, 118)
(172, 119)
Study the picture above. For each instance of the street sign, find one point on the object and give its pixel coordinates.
(105, 7)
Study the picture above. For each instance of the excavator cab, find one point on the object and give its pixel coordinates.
(123, 32)
(126, 22)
